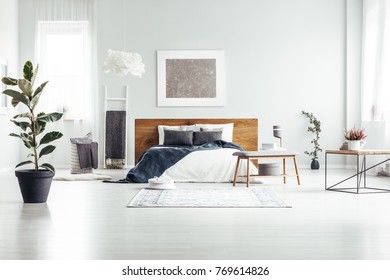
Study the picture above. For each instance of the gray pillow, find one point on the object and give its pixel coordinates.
(87, 139)
(202, 137)
(177, 137)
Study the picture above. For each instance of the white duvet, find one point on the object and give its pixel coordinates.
(207, 166)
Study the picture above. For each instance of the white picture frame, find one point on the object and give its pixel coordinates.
(3, 97)
(190, 78)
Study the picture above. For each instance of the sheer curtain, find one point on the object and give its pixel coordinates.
(65, 17)
(375, 75)
(376, 60)
(56, 21)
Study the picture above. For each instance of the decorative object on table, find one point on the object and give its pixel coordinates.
(191, 78)
(344, 146)
(277, 131)
(158, 184)
(355, 138)
(34, 183)
(314, 127)
(208, 197)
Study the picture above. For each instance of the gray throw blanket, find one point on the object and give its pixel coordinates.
(156, 160)
(115, 136)
(88, 155)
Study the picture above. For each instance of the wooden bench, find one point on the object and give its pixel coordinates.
(265, 154)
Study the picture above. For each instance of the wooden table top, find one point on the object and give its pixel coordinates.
(359, 152)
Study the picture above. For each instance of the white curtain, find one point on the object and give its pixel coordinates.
(75, 11)
(375, 76)
(376, 61)
(61, 12)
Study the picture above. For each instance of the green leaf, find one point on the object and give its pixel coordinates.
(25, 86)
(23, 115)
(51, 117)
(48, 167)
(22, 125)
(40, 127)
(9, 81)
(26, 138)
(50, 136)
(14, 102)
(37, 95)
(15, 135)
(16, 95)
(35, 73)
(23, 163)
(46, 150)
(28, 70)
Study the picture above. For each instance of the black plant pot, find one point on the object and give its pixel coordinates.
(35, 186)
(315, 164)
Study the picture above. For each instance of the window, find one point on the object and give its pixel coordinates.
(63, 55)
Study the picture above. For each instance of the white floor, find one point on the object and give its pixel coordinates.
(89, 220)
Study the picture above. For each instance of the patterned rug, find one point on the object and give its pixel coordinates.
(208, 197)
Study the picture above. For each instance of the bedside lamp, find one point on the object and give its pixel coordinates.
(278, 133)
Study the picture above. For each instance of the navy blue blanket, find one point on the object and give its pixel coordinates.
(156, 160)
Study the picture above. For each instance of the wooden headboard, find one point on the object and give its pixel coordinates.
(245, 132)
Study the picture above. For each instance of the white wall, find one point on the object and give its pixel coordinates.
(281, 57)
(9, 146)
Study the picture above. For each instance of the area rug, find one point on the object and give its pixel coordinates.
(208, 197)
(81, 177)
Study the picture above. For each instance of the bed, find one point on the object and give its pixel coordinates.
(209, 162)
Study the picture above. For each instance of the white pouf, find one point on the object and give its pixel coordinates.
(157, 184)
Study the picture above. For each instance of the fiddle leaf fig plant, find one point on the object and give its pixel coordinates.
(32, 125)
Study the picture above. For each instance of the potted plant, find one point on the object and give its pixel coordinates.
(355, 138)
(34, 183)
(314, 127)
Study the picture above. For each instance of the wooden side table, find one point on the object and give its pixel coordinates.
(253, 155)
(360, 171)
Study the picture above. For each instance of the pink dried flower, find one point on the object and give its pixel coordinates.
(355, 134)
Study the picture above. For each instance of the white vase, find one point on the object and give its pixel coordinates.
(355, 145)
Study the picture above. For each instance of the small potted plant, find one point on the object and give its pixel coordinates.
(314, 127)
(34, 183)
(355, 138)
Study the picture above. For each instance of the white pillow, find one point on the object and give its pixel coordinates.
(227, 130)
(181, 128)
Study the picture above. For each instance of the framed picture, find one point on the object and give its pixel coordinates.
(3, 97)
(190, 78)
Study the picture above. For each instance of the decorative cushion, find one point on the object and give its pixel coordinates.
(74, 156)
(87, 139)
(177, 137)
(202, 137)
(161, 129)
(227, 130)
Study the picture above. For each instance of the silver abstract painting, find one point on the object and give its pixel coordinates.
(191, 78)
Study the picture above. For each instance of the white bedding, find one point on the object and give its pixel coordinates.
(207, 166)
